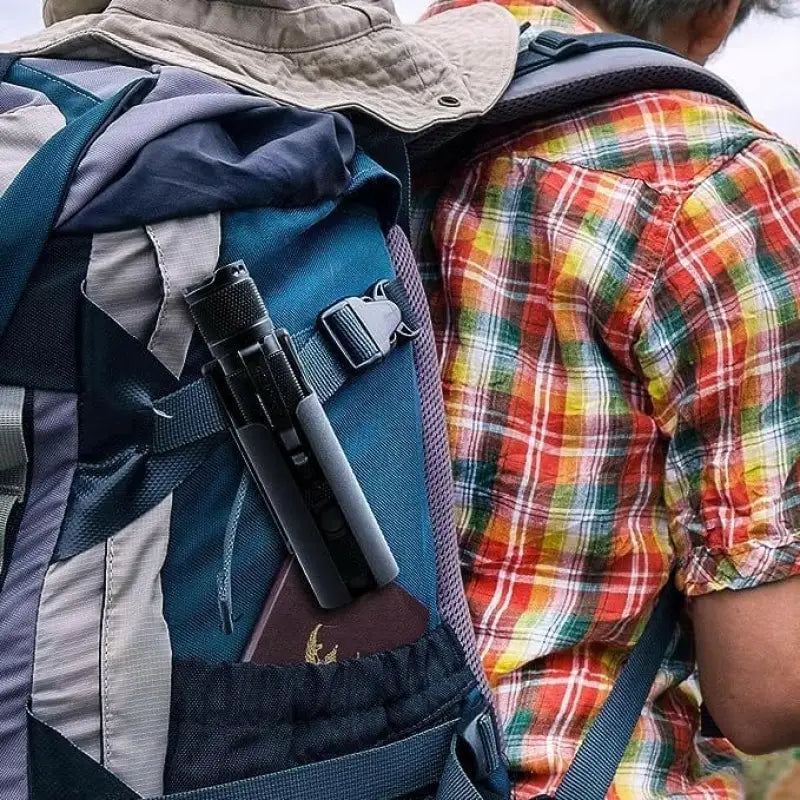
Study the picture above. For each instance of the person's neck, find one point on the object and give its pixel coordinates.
(586, 7)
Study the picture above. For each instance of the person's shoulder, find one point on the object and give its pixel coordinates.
(670, 140)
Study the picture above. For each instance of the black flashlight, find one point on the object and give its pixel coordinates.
(288, 443)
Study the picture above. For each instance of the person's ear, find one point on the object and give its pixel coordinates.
(708, 30)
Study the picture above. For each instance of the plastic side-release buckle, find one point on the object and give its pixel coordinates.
(478, 746)
(364, 330)
(558, 46)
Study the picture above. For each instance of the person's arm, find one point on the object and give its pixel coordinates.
(748, 649)
(720, 351)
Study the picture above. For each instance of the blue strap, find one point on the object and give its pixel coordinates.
(30, 207)
(455, 783)
(193, 413)
(326, 373)
(389, 772)
(596, 763)
(189, 415)
(6, 62)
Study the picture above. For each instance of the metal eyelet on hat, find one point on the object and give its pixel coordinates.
(448, 101)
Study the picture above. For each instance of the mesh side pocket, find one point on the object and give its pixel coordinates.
(236, 721)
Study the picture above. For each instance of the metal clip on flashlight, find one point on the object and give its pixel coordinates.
(287, 442)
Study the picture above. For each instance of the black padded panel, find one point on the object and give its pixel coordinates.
(551, 86)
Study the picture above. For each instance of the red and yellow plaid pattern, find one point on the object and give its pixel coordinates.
(617, 298)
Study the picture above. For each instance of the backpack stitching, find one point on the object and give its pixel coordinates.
(66, 84)
(164, 271)
(106, 637)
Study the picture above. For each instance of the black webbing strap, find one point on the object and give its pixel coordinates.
(598, 758)
(549, 47)
(557, 73)
(358, 332)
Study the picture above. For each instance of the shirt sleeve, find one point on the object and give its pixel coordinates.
(719, 349)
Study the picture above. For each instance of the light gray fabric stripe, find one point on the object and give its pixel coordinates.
(6, 507)
(14, 98)
(55, 443)
(135, 654)
(66, 674)
(103, 657)
(13, 456)
(22, 132)
(138, 278)
(7, 504)
(100, 78)
(187, 251)
(123, 280)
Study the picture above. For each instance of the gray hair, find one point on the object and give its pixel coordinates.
(646, 17)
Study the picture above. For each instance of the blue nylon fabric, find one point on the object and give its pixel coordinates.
(200, 509)
(303, 261)
(6, 62)
(196, 146)
(118, 478)
(30, 206)
(71, 101)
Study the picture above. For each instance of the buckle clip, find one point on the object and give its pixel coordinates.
(478, 748)
(364, 330)
(558, 46)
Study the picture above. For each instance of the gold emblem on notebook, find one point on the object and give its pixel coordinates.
(314, 647)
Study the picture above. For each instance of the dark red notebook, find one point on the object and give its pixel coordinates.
(293, 629)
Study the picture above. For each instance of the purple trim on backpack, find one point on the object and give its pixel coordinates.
(55, 449)
(439, 478)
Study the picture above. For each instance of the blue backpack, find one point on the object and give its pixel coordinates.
(221, 417)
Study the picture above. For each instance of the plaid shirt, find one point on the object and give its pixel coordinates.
(617, 298)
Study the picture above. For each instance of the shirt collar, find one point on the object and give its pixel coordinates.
(541, 14)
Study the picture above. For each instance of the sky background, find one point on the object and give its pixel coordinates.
(762, 60)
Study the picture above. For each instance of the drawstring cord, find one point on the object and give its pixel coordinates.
(224, 576)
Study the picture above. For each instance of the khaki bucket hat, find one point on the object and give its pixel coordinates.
(318, 54)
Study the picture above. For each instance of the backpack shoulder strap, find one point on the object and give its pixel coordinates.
(597, 760)
(558, 72)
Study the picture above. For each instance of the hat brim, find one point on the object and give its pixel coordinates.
(450, 67)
